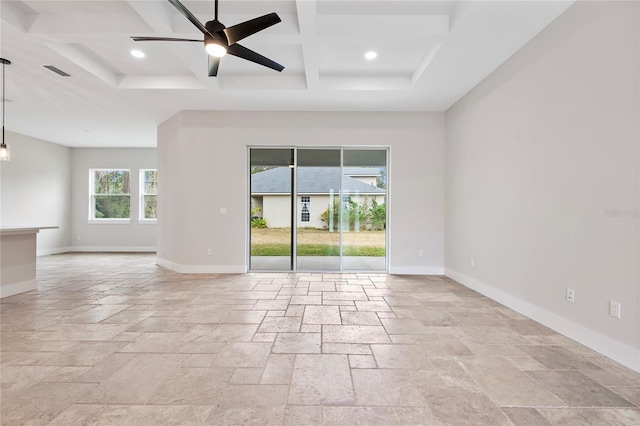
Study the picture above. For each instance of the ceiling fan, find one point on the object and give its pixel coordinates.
(220, 40)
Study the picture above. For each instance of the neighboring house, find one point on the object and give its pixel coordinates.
(271, 192)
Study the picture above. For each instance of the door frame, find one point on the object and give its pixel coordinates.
(294, 206)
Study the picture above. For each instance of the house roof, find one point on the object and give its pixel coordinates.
(313, 180)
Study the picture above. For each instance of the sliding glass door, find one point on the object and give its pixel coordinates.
(318, 209)
(271, 188)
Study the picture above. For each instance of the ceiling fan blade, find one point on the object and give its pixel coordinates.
(250, 55)
(237, 32)
(163, 39)
(190, 16)
(214, 63)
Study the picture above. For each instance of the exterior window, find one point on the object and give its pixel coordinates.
(304, 211)
(110, 192)
(148, 195)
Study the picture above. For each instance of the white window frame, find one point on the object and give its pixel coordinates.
(141, 218)
(92, 200)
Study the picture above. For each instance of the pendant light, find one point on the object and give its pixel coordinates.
(5, 153)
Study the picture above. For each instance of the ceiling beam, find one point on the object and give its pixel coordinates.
(18, 15)
(74, 54)
(308, 32)
(155, 14)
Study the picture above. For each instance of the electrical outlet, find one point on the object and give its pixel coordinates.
(472, 262)
(208, 252)
(420, 252)
(614, 309)
(571, 295)
(164, 248)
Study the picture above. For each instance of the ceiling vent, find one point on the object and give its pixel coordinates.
(57, 70)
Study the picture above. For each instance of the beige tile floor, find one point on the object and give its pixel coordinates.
(116, 340)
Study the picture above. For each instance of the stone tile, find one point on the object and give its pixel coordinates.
(198, 342)
(298, 415)
(385, 388)
(246, 376)
(577, 390)
(280, 325)
(557, 358)
(306, 300)
(382, 416)
(401, 357)
(366, 306)
(249, 405)
(338, 295)
(451, 372)
(136, 381)
(404, 326)
(346, 348)
(272, 305)
(244, 317)
(105, 368)
(297, 343)
(354, 334)
(231, 333)
(192, 386)
(525, 416)
(362, 361)
(295, 311)
(322, 286)
(321, 380)
(591, 416)
(321, 315)
(133, 415)
(278, 370)
(442, 345)
(243, 355)
(360, 318)
(42, 403)
(463, 406)
(630, 394)
(505, 384)
(85, 353)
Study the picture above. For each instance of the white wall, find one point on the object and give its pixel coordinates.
(202, 167)
(536, 155)
(35, 189)
(85, 236)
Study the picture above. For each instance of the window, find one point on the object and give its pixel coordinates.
(148, 195)
(305, 216)
(110, 192)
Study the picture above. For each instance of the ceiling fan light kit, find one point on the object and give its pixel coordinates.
(220, 40)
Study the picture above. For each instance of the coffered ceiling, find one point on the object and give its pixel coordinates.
(430, 53)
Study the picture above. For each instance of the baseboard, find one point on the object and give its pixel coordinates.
(17, 288)
(57, 250)
(201, 269)
(416, 270)
(114, 249)
(608, 347)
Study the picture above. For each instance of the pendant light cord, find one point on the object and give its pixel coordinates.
(3, 67)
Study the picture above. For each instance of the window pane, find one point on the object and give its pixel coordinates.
(151, 188)
(112, 182)
(112, 207)
(150, 207)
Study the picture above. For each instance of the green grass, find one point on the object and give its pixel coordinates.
(315, 250)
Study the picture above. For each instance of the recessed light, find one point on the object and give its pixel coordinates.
(370, 55)
(137, 54)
